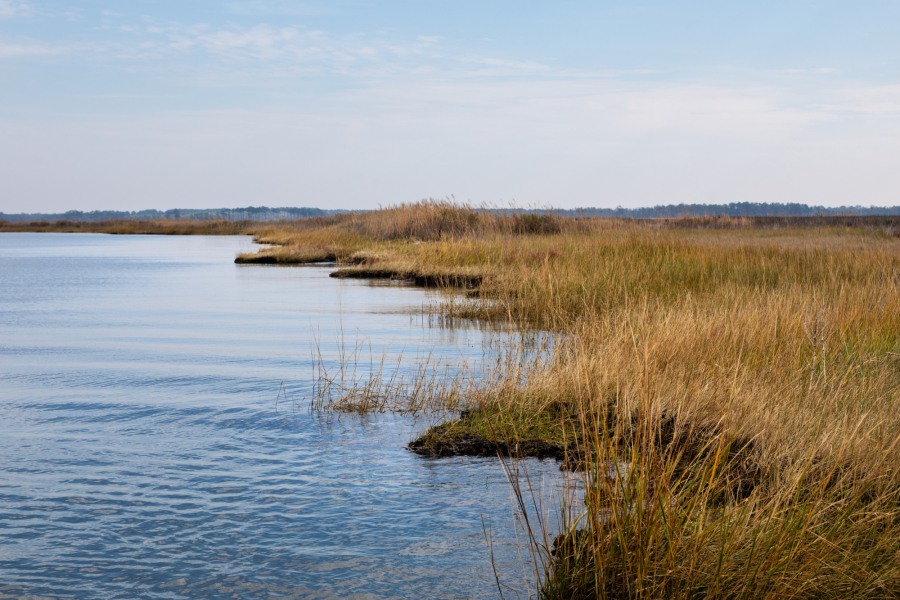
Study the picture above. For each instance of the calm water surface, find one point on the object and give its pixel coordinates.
(142, 454)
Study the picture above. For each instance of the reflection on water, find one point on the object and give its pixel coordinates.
(142, 455)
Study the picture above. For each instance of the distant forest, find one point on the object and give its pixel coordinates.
(251, 213)
(735, 209)
(264, 213)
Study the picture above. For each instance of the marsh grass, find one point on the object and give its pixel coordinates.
(385, 384)
(728, 389)
(648, 530)
(787, 353)
(361, 380)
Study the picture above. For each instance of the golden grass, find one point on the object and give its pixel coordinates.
(791, 347)
(732, 389)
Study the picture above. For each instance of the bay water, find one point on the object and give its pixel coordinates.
(147, 449)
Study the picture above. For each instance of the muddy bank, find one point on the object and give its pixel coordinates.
(467, 444)
(252, 259)
(466, 436)
(690, 446)
(446, 280)
(281, 258)
(363, 271)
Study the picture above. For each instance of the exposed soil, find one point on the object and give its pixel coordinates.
(366, 271)
(691, 446)
(465, 281)
(449, 439)
(466, 444)
(246, 259)
(269, 259)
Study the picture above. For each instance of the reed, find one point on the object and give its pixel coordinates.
(728, 389)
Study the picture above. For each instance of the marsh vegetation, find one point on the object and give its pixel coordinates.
(728, 388)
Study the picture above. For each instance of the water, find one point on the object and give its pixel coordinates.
(142, 454)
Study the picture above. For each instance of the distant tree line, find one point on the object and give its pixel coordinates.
(264, 213)
(250, 213)
(735, 209)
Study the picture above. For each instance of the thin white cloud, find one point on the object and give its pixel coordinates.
(818, 71)
(271, 47)
(871, 100)
(14, 50)
(514, 64)
(710, 110)
(291, 45)
(11, 8)
(279, 52)
(261, 41)
(282, 7)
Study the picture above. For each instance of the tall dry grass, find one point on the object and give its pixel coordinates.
(743, 442)
(731, 390)
(747, 391)
(339, 237)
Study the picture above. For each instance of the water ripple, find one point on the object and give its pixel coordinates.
(141, 454)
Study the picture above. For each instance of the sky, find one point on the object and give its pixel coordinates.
(113, 105)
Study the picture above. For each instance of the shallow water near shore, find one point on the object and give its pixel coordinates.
(142, 454)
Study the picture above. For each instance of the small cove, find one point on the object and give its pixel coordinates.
(142, 453)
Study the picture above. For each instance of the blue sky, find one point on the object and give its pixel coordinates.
(161, 104)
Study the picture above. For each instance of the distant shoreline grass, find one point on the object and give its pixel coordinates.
(728, 387)
(137, 227)
(343, 226)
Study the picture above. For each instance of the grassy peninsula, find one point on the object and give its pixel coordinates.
(728, 387)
